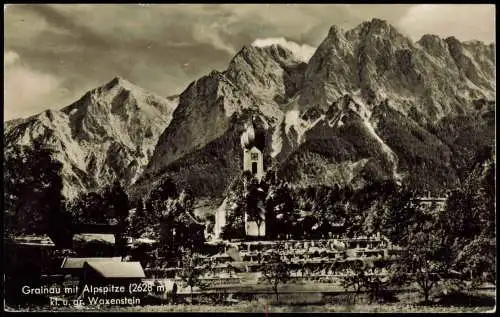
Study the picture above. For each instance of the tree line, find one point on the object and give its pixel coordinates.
(34, 204)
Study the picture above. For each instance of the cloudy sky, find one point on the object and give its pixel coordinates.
(53, 54)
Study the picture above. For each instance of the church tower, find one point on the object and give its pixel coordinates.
(252, 143)
(253, 162)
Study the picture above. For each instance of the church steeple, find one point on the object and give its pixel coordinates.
(253, 135)
(252, 145)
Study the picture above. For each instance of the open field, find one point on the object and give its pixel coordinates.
(260, 307)
(483, 301)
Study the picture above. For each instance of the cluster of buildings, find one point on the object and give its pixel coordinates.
(65, 267)
(242, 262)
(223, 264)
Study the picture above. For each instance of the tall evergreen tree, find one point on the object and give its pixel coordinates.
(118, 205)
(33, 199)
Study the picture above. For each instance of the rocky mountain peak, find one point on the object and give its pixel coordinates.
(254, 56)
(376, 26)
(280, 53)
(121, 97)
(378, 32)
(248, 53)
(256, 77)
(375, 57)
(267, 72)
(49, 113)
(120, 83)
(247, 50)
(429, 39)
(451, 40)
(432, 43)
(117, 80)
(335, 33)
(108, 134)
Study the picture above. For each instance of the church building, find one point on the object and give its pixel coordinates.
(252, 144)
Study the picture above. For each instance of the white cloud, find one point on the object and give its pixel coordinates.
(465, 22)
(303, 52)
(26, 89)
(210, 35)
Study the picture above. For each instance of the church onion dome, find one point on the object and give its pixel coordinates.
(253, 136)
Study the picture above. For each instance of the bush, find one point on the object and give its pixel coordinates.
(464, 299)
(298, 299)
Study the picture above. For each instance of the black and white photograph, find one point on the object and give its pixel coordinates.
(249, 158)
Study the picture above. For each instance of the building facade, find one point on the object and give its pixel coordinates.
(253, 162)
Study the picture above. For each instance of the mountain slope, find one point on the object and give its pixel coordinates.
(261, 78)
(109, 133)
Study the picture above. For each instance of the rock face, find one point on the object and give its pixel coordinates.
(433, 77)
(110, 133)
(370, 104)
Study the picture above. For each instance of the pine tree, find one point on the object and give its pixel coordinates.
(191, 272)
(117, 204)
(33, 199)
(276, 271)
(138, 222)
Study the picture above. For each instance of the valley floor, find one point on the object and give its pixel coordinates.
(259, 307)
(409, 302)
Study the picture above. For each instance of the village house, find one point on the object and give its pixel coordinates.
(74, 266)
(431, 203)
(33, 250)
(94, 244)
(103, 273)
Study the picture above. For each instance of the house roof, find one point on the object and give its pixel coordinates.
(78, 263)
(118, 269)
(305, 213)
(234, 253)
(193, 219)
(145, 241)
(35, 240)
(87, 237)
(95, 228)
(252, 148)
(221, 255)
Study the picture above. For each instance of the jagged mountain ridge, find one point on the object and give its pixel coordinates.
(398, 92)
(432, 77)
(108, 134)
(369, 104)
